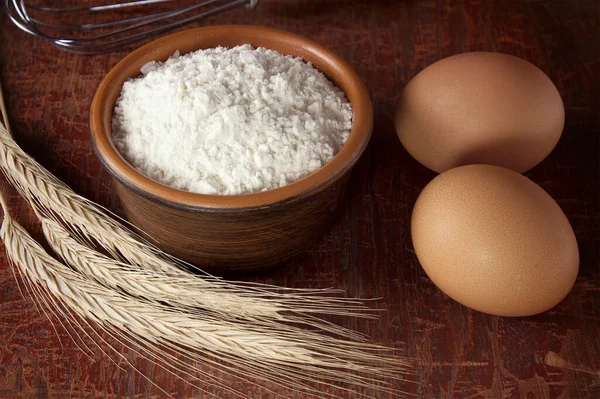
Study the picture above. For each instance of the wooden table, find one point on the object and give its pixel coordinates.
(459, 352)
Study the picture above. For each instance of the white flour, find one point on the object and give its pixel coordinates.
(230, 121)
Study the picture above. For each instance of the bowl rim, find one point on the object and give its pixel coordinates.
(341, 163)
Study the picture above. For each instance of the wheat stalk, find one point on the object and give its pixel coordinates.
(298, 359)
(175, 291)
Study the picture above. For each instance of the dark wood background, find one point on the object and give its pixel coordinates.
(460, 353)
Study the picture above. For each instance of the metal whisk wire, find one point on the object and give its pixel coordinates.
(132, 29)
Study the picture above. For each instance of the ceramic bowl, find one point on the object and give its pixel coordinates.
(239, 232)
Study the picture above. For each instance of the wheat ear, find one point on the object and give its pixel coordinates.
(259, 351)
(160, 291)
(177, 292)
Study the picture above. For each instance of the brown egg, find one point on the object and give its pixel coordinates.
(480, 108)
(494, 241)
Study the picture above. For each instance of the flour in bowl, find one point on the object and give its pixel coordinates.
(230, 121)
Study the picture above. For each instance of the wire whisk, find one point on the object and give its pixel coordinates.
(137, 21)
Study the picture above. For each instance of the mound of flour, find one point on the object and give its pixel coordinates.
(230, 121)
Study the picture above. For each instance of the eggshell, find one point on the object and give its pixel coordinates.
(480, 108)
(494, 241)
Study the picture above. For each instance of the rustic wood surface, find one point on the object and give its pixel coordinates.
(459, 352)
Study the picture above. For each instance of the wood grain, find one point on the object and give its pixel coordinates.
(368, 252)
